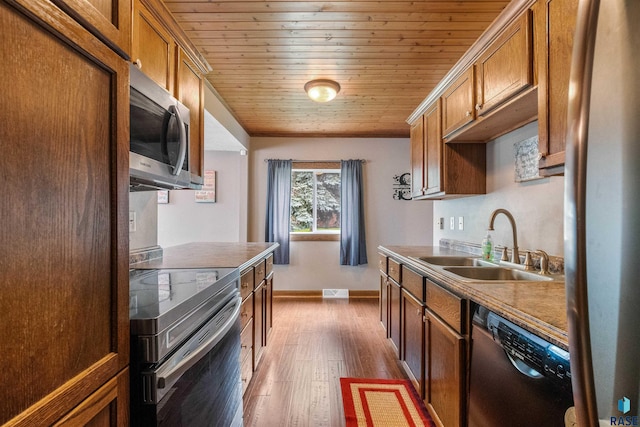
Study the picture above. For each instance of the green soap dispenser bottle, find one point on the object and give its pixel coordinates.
(487, 247)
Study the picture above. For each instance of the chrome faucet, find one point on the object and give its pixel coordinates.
(515, 255)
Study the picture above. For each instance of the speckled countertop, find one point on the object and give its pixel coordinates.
(539, 307)
(209, 255)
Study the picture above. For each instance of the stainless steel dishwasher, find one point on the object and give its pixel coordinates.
(516, 378)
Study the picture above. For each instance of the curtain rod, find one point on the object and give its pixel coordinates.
(315, 161)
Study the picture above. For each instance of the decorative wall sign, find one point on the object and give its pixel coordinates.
(527, 156)
(402, 186)
(208, 192)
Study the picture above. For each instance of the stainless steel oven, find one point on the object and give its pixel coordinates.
(185, 347)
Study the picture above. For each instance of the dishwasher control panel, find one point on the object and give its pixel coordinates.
(544, 358)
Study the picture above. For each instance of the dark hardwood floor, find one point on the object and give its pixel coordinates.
(313, 343)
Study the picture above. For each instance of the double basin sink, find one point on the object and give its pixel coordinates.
(471, 268)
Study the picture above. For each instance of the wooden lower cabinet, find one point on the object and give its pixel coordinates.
(413, 337)
(444, 372)
(384, 303)
(246, 355)
(258, 323)
(268, 308)
(395, 318)
(64, 279)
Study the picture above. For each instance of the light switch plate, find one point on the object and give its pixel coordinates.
(452, 223)
(460, 223)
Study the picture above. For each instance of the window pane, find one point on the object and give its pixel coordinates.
(302, 201)
(328, 201)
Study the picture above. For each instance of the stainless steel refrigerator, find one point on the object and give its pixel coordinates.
(602, 213)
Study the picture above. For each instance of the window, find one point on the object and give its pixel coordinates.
(315, 202)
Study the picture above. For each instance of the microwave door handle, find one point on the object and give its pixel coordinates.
(183, 141)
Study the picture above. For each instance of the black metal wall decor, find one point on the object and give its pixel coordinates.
(402, 186)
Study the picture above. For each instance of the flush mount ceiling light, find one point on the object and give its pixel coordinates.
(322, 90)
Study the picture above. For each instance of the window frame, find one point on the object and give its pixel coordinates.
(315, 236)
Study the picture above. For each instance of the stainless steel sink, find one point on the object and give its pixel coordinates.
(450, 260)
(496, 274)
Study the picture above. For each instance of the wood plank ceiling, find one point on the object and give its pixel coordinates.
(386, 55)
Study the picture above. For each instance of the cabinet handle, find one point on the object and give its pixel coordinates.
(138, 63)
(418, 312)
(468, 113)
(478, 107)
(244, 285)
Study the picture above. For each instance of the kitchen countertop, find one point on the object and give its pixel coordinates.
(209, 255)
(539, 307)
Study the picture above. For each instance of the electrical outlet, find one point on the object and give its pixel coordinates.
(440, 223)
(132, 221)
(460, 223)
(452, 223)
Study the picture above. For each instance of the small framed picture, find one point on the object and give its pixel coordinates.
(208, 192)
(163, 197)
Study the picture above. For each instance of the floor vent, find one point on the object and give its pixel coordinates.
(335, 293)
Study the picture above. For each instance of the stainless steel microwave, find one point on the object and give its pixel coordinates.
(159, 137)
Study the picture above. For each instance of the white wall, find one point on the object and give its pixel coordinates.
(315, 265)
(537, 206)
(183, 220)
(143, 203)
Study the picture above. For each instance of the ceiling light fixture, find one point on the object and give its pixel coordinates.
(322, 90)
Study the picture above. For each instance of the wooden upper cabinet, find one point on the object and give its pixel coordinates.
(417, 158)
(458, 103)
(433, 149)
(190, 91)
(505, 67)
(153, 47)
(65, 253)
(109, 20)
(554, 25)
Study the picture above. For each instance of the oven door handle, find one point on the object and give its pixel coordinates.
(173, 373)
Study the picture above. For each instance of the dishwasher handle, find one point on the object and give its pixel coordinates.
(522, 366)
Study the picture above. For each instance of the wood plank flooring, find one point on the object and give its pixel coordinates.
(313, 343)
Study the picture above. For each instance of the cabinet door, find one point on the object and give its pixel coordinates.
(395, 305)
(413, 340)
(458, 103)
(190, 91)
(384, 303)
(109, 406)
(268, 308)
(417, 158)
(554, 24)
(153, 49)
(433, 149)
(444, 370)
(64, 257)
(109, 20)
(258, 324)
(505, 67)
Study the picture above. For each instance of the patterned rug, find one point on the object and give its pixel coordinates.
(382, 403)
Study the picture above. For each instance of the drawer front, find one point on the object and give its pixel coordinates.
(246, 311)
(446, 305)
(259, 270)
(414, 283)
(394, 270)
(382, 263)
(269, 265)
(246, 372)
(246, 283)
(246, 341)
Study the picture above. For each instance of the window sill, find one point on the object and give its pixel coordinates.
(315, 237)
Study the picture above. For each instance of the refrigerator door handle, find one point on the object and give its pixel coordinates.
(575, 224)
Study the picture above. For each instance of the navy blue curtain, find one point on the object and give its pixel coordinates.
(353, 246)
(278, 218)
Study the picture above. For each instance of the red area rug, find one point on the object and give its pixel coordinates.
(382, 403)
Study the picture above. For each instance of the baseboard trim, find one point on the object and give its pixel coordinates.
(318, 294)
